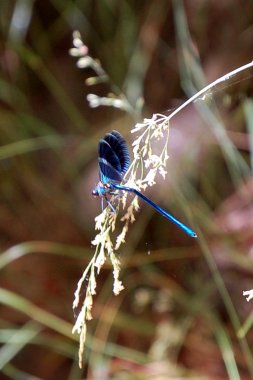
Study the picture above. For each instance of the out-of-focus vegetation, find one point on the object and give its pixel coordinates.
(182, 308)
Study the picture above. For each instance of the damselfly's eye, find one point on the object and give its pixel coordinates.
(94, 193)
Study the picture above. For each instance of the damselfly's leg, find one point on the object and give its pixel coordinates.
(109, 203)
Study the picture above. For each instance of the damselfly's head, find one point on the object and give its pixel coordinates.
(95, 192)
(101, 190)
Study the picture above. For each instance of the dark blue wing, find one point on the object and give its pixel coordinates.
(114, 159)
(119, 146)
(109, 163)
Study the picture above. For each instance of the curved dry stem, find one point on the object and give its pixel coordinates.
(142, 173)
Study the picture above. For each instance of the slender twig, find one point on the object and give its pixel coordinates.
(209, 87)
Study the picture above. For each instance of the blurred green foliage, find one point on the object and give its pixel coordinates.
(182, 307)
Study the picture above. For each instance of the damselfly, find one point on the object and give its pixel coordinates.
(114, 161)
